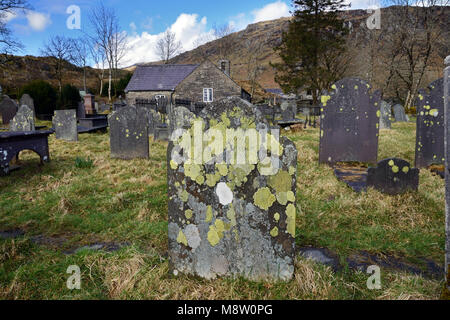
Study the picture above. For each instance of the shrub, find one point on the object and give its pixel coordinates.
(69, 98)
(43, 94)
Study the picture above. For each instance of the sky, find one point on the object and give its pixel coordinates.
(144, 21)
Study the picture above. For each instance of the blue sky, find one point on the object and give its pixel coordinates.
(145, 21)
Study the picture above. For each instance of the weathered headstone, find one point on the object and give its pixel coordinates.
(27, 100)
(288, 110)
(180, 118)
(399, 113)
(154, 119)
(23, 121)
(232, 209)
(81, 111)
(65, 125)
(447, 167)
(129, 134)
(349, 123)
(393, 176)
(8, 109)
(386, 115)
(430, 126)
(89, 104)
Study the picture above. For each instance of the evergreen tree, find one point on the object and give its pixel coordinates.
(312, 47)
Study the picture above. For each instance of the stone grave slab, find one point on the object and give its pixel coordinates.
(129, 134)
(65, 125)
(393, 176)
(430, 126)
(349, 126)
(231, 208)
(8, 110)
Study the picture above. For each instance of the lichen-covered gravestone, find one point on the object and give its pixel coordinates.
(23, 121)
(8, 110)
(430, 126)
(350, 123)
(386, 115)
(447, 167)
(65, 125)
(231, 208)
(393, 176)
(180, 117)
(129, 133)
(399, 113)
(27, 100)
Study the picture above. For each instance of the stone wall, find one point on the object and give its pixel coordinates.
(207, 75)
(133, 95)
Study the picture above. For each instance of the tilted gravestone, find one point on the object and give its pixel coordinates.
(180, 117)
(65, 125)
(447, 167)
(23, 121)
(393, 176)
(386, 115)
(349, 123)
(430, 126)
(27, 100)
(129, 134)
(231, 208)
(8, 109)
(399, 113)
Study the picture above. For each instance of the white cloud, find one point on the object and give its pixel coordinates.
(363, 4)
(188, 28)
(271, 11)
(38, 21)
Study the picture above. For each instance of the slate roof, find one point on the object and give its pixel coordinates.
(159, 77)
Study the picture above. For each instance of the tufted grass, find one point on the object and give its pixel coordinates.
(126, 201)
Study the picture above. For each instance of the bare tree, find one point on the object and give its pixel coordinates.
(80, 56)
(225, 42)
(8, 43)
(106, 36)
(168, 47)
(60, 48)
(98, 57)
(254, 52)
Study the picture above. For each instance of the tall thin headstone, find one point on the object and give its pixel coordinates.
(23, 121)
(129, 134)
(386, 115)
(231, 208)
(65, 125)
(350, 123)
(447, 166)
(89, 104)
(430, 126)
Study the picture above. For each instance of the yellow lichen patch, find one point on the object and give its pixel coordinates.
(212, 179)
(291, 196)
(395, 169)
(192, 171)
(277, 217)
(182, 238)
(188, 214)
(209, 214)
(173, 165)
(391, 163)
(290, 212)
(282, 198)
(434, 112)
(184, 196)
(421, 97)
(356, 87)
(200, 180)
(223, 169)
(231, 215)
(405, 169)
(334, 87)
(264, 199)
(274, 232)
(281, 182)
(325, 99)
(378, 113)
(292, 171)
(213, 236)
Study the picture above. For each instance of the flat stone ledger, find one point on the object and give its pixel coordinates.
(23, 121)
(8, 110)
(350, 122)
(129, 134)
(393, 176)
(232, 218)
(430, 126)
(65, 125)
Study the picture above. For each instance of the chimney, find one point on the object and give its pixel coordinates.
(225, 66)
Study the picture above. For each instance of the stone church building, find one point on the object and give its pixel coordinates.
(203, 82)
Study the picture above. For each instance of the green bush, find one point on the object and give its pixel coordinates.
(69, 98)
(82, 163)
(43, 94)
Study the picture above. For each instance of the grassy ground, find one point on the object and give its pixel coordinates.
(125, 201)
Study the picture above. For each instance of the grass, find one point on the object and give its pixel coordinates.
(125, 201)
